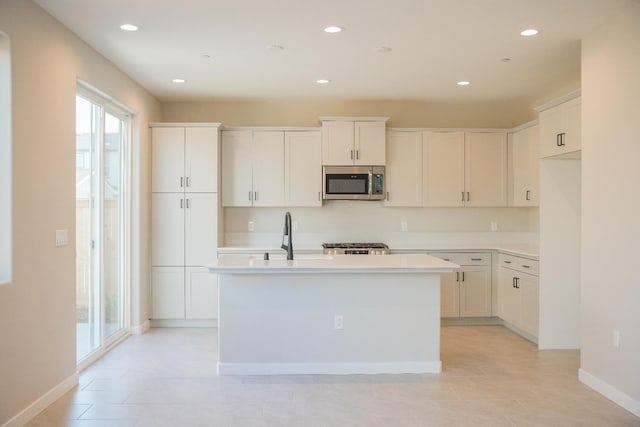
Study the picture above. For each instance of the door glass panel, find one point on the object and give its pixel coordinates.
(87, 299)
(114, 135)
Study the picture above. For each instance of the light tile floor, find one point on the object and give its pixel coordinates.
(491, 377)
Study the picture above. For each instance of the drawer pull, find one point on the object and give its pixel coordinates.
(476, 259)
(446, 259)
(526, 266)
(507, 262)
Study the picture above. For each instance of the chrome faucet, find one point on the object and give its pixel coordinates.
(287, 232)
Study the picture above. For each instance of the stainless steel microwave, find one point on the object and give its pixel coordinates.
(353, 182)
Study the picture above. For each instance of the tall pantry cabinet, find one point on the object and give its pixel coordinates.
(184, 224)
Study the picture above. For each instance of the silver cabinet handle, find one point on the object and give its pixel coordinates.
(181, 181)
(187, 203)
(187, 181)
(181, 203)
(476, 259)
(250, 194)
(255, 196)
(351, 154)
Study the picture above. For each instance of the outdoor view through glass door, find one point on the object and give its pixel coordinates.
(101, 138)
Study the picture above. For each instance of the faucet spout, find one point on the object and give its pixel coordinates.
(288, 233)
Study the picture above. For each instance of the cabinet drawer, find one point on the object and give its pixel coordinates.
(463, 258)
(524, 265)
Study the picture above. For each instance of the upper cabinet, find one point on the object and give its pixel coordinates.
(271, 168)
(464, 169)
(560, 129)
(184, 159)
(348, 141)
(524, 167)
(403, 172)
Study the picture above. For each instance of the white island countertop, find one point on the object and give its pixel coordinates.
(400, 263)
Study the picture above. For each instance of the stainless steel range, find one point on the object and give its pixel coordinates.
(355, 249)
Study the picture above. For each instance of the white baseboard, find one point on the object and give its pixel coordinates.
(141, 329)
(42, 402)
(329, 368)
(627, 402)
(186, 323)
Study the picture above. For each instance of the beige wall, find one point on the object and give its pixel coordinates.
(610, 292)
(306, 113)
(37, 308)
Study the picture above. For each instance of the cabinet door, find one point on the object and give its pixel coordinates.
(303, 168)
(560, 129)
(200, 228)
(508, 297)
(442, 168)
(236, 168)
(486, 169)
(201, 160)
(475, 291)
(369, 143)
(403, 173)
(529, 296)
(449, 295)
(525, 167)
(201, 293)
(167, 293)
(337, 143)
(268, 168)
(167, 159)
(572, 124)
(167, 229)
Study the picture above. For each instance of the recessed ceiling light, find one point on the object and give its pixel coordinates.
(529, 32)
(332, 29)
(129, 27)
(275, 47)
(322, 81)
(505, 59)
(463, 83)
(205, 56)
(178, 80)
(383, 49)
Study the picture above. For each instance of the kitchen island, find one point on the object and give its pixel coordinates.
(329, 315)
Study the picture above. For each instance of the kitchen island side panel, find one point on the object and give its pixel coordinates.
(284, 323)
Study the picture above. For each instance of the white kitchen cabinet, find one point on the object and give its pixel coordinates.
(353, 142)
(184, 159)
(524, 167)
(267, 168)
(443, 169)
(184, 220)
(201, 293)
(466, 292)
(303, 168)
(518, 294)
(167, 293)
(560, 129)
(252, 168)
(403, 172)
(485, 169)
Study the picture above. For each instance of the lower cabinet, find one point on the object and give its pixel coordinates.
(518, 294)
(466, 292)
(183, 293)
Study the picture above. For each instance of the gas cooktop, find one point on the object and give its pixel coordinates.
(355, 248)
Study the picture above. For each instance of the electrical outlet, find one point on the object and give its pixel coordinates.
(251, 226)
(403, 225)
(615, 338)
(494, 226)
(337, 322)
(294, 225)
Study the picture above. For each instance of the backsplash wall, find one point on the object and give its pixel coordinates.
(369, 221)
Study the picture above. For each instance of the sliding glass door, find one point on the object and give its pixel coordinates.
(101, 141)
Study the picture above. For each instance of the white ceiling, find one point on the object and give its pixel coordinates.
(435, 43)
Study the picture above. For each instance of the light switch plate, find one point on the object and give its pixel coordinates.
(62, 237)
